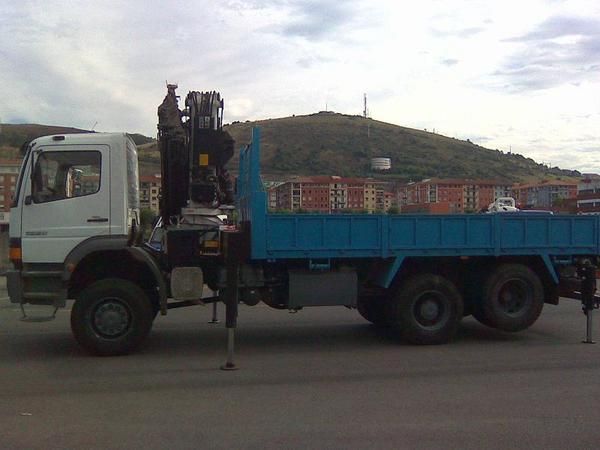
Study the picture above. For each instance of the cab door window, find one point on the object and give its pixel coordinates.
(63, 175)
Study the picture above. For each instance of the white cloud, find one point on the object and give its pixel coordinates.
(475, 69)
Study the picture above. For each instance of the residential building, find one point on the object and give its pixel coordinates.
(457, 194)
(331, 194)
(544, 195)
(588, 194)
(270, 187)
(502, 190)
(370, 194)
(150, 192)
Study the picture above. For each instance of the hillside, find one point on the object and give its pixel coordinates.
(329, 143)
(335, 144)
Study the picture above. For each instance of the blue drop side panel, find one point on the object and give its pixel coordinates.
(327, 236)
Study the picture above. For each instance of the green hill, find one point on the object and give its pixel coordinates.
(336, 144)
(330, 143)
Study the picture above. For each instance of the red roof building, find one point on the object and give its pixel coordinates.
(458, 194)
(544, 195)
(330, 194)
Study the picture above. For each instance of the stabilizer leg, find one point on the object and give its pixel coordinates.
(231, 295)
(589, 302)
(215, 313)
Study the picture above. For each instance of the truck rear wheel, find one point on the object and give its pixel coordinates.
(426, 309)
(111, 317)
(513, 298)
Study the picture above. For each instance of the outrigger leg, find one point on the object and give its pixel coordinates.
(215, 316)
(589, 301)
(231, 310)
(231, 296)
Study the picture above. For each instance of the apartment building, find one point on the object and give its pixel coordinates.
(544, 195)
(271, 189)
(331, 194)
(450, 195)
(419, 195)
(370, 195)
(150, 192)
(588, 194)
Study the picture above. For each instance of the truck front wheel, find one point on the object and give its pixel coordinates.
(426, 309)
(111, 317)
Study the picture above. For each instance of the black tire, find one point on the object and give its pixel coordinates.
(111, 317)
(513, 298)
(372, 309)
(426, 309)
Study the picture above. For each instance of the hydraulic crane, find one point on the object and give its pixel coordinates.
(194, 150)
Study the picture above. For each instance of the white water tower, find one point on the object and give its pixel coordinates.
(381, 163)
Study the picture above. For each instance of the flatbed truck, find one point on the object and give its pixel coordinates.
(75, 217)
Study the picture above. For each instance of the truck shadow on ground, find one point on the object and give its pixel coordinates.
(307, 338)
(205, 339)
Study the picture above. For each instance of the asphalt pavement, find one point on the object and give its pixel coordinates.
(321, 378)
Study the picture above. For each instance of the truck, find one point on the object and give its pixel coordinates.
(75, 224)
(503, 204)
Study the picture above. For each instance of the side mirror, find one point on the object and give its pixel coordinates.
(28, 200)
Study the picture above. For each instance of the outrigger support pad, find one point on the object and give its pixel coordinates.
(589, 301)
(229, 364)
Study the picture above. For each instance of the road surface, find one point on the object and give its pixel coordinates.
(321, 378)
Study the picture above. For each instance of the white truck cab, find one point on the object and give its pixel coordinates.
(71, 189)
(76, 200)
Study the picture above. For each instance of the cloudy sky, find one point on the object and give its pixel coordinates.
(520, 75)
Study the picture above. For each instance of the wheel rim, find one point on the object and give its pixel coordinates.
(431, 310)
(111, 318)
(514, 296)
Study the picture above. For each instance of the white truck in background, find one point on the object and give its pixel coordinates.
(503, 204)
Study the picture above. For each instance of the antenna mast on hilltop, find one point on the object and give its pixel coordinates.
(366, 114)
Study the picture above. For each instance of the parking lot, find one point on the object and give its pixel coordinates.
(321, 378)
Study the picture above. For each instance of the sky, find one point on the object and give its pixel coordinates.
(520, 76)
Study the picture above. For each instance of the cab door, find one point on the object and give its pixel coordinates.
(66, 202)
